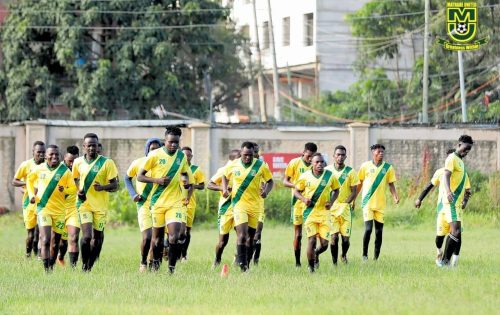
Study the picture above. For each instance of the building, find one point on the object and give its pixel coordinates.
(315, 49)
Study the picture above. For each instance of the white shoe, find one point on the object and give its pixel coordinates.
(454, 261)
(365, 258)
(439, 257)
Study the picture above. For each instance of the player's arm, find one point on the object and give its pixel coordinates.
(424, 193)
(288, 183)
(354, 193)
(447, 179)
(288, 176)
(213, 186)
(199, 186)
(18, 183)
(110, 187)
(225, 184)
(30, 186)
(268, 186)
(298, 194)
(394, 193)
(70, 187)
(20, 173)
(467, 195)
(131, 190)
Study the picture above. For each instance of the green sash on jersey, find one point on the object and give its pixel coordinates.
(51, 186)
(376, 183)
(26, 201)
(343, 176)
(193, 168)
(317, 193)
(145, 194)
(294, 201)
(456, 194)
(170, 173)
(246, 182)
(89, 179)
(225, 206)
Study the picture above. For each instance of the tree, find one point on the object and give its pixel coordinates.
(101, 56)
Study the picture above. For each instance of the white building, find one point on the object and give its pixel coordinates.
(315, 49)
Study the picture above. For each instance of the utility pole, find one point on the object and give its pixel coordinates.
(260, 79)
(462, 86)
(425, 78)
(277, 108)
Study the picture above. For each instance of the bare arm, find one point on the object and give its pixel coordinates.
(466, 198)
(288, 183)
(394, 193)
(18, 183)
(199, 186)
(333, 196)
(141, 177)
(225, 191)
(353, 194)
(298, 195)
(110, 187)
(267, 188)
(213, 186)
(447, 177)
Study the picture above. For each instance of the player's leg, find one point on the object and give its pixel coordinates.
(185, 246)
(345, 247)
(241, 249)
(45, 236)
(158, 233)
(442, 229)
(95, 246)
(366, 238)
(311, 255)
(334, 247)
(323, 234)
(73, 235)
(219, 248)
(85, 244)
(257, 242)
(55, 240)
(30, 242)
(145, 248)
(297, 243)
(249, 243)
(181, 240)
(452, 242)
(345, 232)
(174, 235)
(379, 228)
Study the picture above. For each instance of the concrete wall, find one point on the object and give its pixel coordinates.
(410, 149)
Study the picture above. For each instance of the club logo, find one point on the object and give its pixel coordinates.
(95, 169)
(253, 172)
(57, 177)
(323, 182)
(384, 171)
(462, 26)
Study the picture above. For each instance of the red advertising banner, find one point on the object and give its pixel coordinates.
(278, 161)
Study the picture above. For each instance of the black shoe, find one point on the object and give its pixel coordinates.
(171, 270)
(298, 265)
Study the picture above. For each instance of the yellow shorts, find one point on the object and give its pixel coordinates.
(73, 218)
(29, 216)
(49, 218)
(190, 216)
(97, 218)
(371, 214)
(318, 227)
(443, 224)
(144, 218)
(226, 222)
(452, 215)
(242, 215)
(297, 213)
(163, 216)
(342, 223)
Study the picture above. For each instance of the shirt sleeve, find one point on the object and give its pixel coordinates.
(74, 170)
(467, 181)
(186, 169)
(150, 162)
(112, 171)
(435, 180)
(132, 170)
(290, 169)
(266, 173)
(21, 172)
(69, 184)
(391, 175)
(217, 178)
(354, 178)
(199, 177)
(361, 173)
(335, 183)
(30, 183)
(228, 170)
(449, 164)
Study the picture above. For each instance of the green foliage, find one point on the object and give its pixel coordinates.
(122, 210)
(97, 62)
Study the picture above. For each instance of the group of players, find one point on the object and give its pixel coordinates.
(62, 198)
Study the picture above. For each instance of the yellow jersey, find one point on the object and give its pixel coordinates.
(459, 181)
(375, 180)
(198, 178)
(143, 189)
(162, 164)
(318, 189)
(246, 182)
(225, 206)
(347, 178)
(295, 168)
(47, 181)
(101, 170)
(22, 173)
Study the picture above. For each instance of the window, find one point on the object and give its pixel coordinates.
(265, 37)
(286, 31)
(308, 29)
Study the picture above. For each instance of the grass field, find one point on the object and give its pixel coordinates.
(404, 281)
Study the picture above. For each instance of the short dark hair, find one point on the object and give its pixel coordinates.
(38, 143)
(247, 144)
(73, 149)
(317, 154)
(52, 146)
(377, 146)
(450, 151)
(91, 135)
(99, 145)
(234, 153)
(311, 147)
(173, 130)
(187, 148)
(339, 147)
(466, 139)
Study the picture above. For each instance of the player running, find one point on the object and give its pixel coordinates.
(29, 209)
(96, 176)
(341, 213)
(317, 189)
(454, 194)
(53, 181)
(225, 217)
(257, 240)
(245, 175)
(199, 183)
(167, 202)
(293, 171)
(141, 195)
(374, 176)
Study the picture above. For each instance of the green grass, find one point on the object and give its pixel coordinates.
(404, 281)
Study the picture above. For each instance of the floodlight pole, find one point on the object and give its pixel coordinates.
(425, 77)
(462, 86)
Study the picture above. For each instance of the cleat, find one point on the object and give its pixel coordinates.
(143, 268)
(298, 265)
(184, 259)
(61, 262)
(454, 261)
(316, 262)
(343, 259)
(310, 269)
(365, 258)
(171, 269)
(440, 263)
